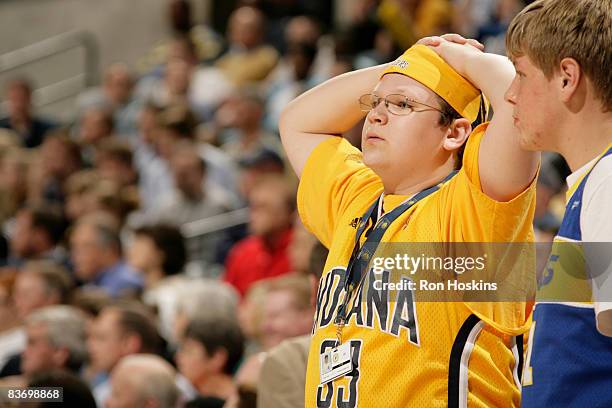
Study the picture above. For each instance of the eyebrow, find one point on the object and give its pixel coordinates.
(409, 97)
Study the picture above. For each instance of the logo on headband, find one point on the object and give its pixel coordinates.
(400, 63)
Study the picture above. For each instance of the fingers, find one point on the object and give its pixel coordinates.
(458, 39)
(432, 41)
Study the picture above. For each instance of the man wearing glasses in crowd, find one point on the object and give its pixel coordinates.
(428, 177)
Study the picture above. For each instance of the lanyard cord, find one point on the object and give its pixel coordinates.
(361, 255)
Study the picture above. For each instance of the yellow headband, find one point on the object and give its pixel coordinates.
(421, 63)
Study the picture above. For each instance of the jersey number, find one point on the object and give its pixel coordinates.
(528, 372)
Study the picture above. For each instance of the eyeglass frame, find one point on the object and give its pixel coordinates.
(386, 102)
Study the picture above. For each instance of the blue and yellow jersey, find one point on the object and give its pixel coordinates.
(568, 363)
(407, 353)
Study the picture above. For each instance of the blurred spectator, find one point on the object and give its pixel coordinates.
(288, 309)
(409, 20)
(78, 193)
(30, 128)
(209, 354)
(240, 132)
(301, 247)
(173, 87)
(283, 372)
(384, 50)
(39, 284)
(159, 253)
(14, 165)
(191, 201)
(96, 255)
(75, 393)
(154, 178)
(56, 339)
(204, 299)
(116, 95)
(288, 312)
(493, 34)
(37, 234)
(207, 44)
(264, 254)
(263, 163)
(248, 58)
(95, 125)
(12, 336)
(60, 157)
(299, 60)
(177, 123)
(302, 30)
(118, 331)
(143, 380)
(470, 15)
(114, 161)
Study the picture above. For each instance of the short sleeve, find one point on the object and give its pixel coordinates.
(481, 218)
(597, 239)
(333, 177)
(477, 217)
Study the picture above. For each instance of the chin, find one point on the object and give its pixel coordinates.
(372, 159)
(527, 141)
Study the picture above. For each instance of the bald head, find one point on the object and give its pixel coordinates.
(143, 380)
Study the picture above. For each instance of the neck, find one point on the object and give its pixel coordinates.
(415, 183)
(585, 135)
(110, 262)
(153, 276)
(217, 385)
(194, 196)
(273, 239)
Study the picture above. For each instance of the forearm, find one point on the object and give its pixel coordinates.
(332, 107)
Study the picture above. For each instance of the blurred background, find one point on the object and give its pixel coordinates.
(150, 251)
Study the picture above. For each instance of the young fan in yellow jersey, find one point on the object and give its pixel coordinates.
(420, 110)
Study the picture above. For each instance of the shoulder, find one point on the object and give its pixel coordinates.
(246, 246)
(596, 201)
(127, 274)
(600, 178)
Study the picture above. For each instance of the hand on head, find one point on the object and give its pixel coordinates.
(435, 41)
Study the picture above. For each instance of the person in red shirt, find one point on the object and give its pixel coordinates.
(264, 253)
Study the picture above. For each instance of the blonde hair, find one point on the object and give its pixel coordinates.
(547, 31)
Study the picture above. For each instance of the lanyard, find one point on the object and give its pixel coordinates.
(361, 256)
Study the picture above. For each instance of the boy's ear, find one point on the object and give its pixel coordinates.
(457, 134)
(569, 78)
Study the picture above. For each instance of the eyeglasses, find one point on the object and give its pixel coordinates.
(396, 104)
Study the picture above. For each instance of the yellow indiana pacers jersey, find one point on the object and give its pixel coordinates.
(412, 354)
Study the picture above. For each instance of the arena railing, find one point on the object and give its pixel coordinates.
(51, 47)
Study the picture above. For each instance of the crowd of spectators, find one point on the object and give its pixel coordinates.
(104, 293)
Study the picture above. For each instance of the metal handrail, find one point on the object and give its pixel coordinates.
(216, 223)
(48, 48)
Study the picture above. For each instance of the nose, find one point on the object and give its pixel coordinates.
(510, 95)
(378, 114)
